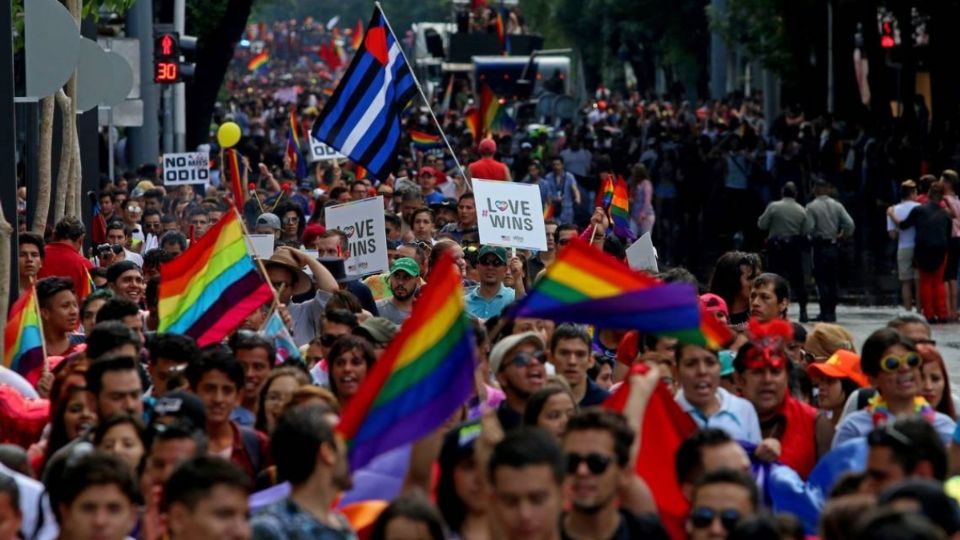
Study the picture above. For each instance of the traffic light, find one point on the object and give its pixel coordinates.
(168, 64)
(166, 58)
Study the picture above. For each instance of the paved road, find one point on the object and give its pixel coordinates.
(862, 321)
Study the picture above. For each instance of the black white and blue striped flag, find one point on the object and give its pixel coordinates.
(362, 118)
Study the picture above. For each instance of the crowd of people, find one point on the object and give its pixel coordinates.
(794, 429)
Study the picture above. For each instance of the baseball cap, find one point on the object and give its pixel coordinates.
(726, 363)
(507, 344)
(498, 251)
(714, 303)
(447, 203)
(184, 407)
(270, 220)
(487, 146)
(843, 364)
(407, 265)
(378, 329)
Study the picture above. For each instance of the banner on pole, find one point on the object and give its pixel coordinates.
(362, 222)
(510, 214)
(186, 168)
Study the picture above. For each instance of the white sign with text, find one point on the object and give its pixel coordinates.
(320, 151)
(362, 222)
(510, 214)
(186, 168)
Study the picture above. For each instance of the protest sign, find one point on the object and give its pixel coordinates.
(510, 214)
(320, 151)
(641, 255)
(362, 222)
(186, 168)
(261, 245)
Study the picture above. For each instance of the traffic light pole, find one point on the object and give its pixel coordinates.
(179, 90)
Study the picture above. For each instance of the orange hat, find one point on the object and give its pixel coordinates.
(843, 364)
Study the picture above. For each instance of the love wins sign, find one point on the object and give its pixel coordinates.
(510, 214)
(363, 225)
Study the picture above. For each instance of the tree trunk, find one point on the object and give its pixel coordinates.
(66, 153)
(213, 56)
(73, 196)
(45, 165)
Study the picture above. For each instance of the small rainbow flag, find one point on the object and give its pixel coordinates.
(501, 32)
(425, 141)
(605, 195)
(548, 211)
(294, 148)
(425, 374)
(275, 330)
(489, 106)
(586, 286)
(209, 291)
(619, 209)
(23, 335)
(471, 117)
(234, 173)
(356, 39)
(86, 287)
(259, 61)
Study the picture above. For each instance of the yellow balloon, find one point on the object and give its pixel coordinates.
(228, 134)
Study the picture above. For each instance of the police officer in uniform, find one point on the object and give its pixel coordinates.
(783, 221)
(827, 223)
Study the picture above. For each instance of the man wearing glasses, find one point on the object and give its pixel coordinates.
(721, 498)
(491, 296)
(596, 449)
(518, 362)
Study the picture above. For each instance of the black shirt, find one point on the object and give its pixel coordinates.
(509, 418)
(632, 526)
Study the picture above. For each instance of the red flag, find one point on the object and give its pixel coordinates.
(665, 426)
(328, 53)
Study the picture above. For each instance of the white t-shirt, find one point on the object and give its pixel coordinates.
(907, 237)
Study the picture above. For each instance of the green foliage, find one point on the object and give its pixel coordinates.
(400, 13)
(758, 26)
(90, 8)
(608, 33)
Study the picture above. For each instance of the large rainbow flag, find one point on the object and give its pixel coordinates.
(586, 286)
(425, 374)
(23, 336)
(208, 291)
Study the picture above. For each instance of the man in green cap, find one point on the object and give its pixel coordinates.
(491, 296)
(404, 283)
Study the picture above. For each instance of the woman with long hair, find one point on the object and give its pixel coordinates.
(461, 495)
(837, 379)
(277, 391)
(936, 382)
(75, 413)
(732, 279)
(349, 361)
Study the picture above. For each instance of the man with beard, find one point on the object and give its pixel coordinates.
(404, 282)
(597, 451)
(518, 362)
(311, 458)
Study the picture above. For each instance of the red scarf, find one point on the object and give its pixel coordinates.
(798, 444)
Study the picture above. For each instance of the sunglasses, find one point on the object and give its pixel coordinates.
(892, 364)
(759, 360)
(890, 435)
(107, 248)
(702, 517)
(522, 360)
(596, 463)
(492, 262)
(291, 220)
(327, 340)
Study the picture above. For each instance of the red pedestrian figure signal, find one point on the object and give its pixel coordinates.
(166, 45)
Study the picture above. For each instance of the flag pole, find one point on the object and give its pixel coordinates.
(423, 96)
(263, 269)
(43, 336)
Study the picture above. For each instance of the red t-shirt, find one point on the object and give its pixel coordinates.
(487, 168)
(60, 259)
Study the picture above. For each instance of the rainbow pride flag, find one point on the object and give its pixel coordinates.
(425, 374)
(489, 108)
(605, 195)
(619, 209)
(259, 61)
(586, 286)
(294, 149)
(356, 39)
(87, 287)
(471, 117)
(213, 287)
(425, 141)
(23, 335)
(234, 169)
